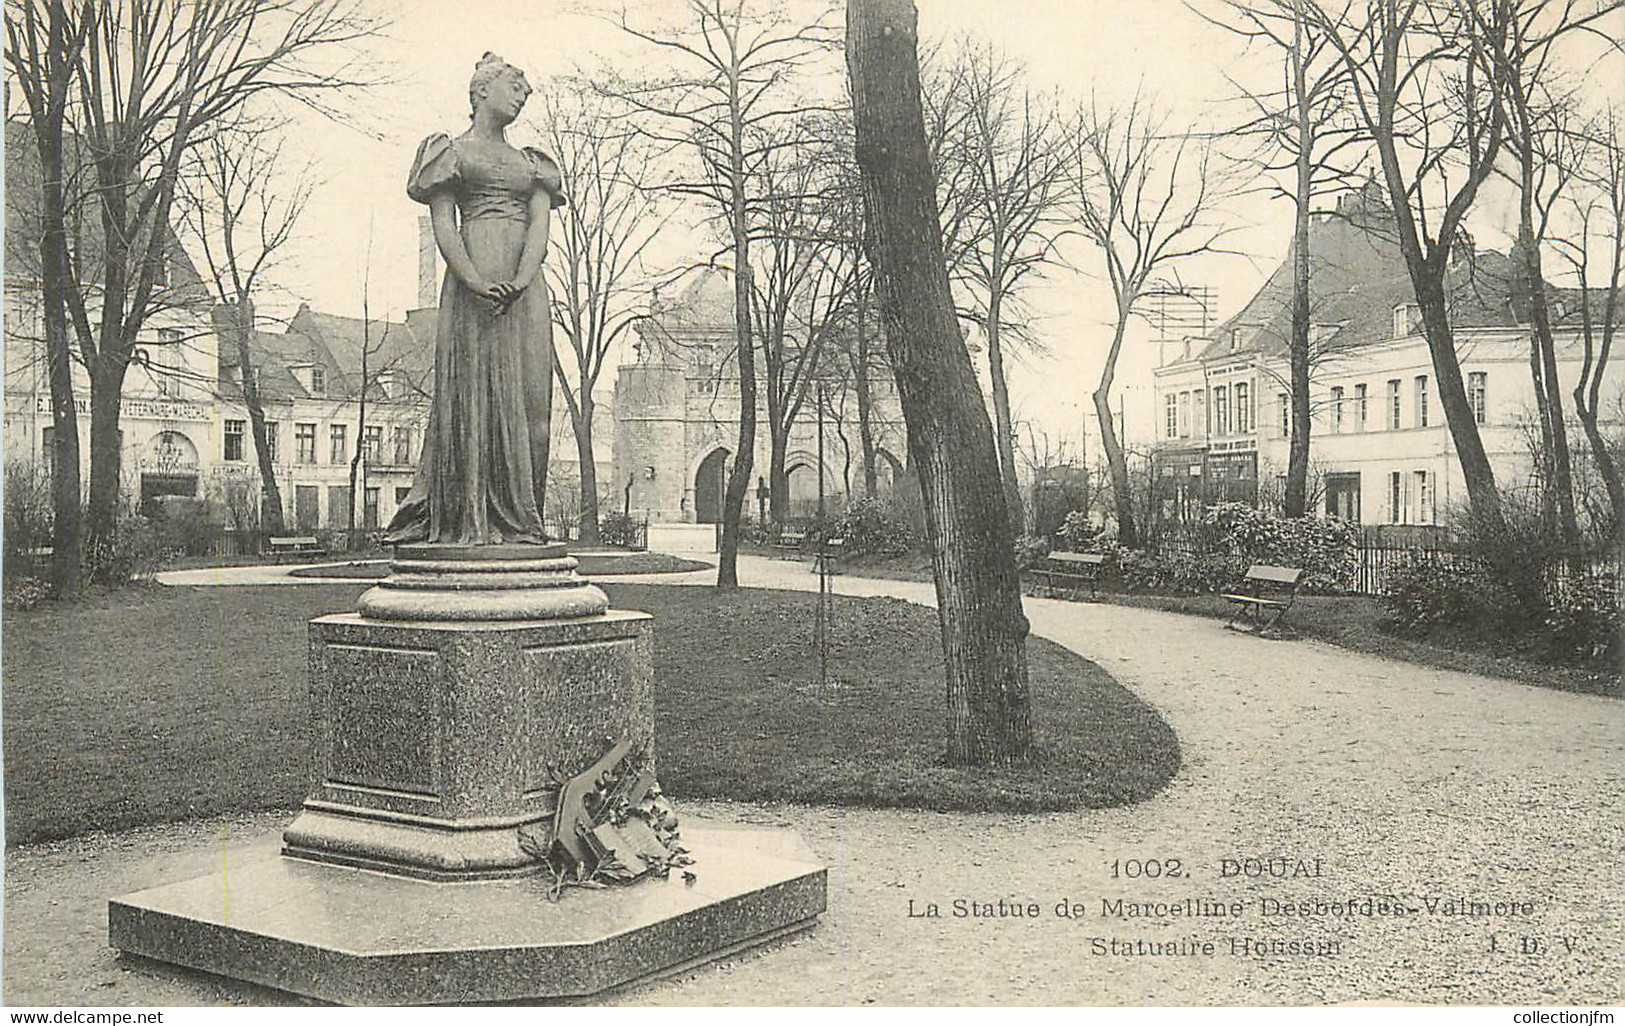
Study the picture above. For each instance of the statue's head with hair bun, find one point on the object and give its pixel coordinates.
(490, 68)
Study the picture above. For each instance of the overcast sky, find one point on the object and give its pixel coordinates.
(1111, 46)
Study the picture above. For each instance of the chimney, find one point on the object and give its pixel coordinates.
(428, 290)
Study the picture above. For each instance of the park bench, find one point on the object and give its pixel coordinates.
(292, 544)
(1070, 569)
(790, 542)
(1265, 591)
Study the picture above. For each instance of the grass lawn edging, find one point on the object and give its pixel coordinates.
(154, 704)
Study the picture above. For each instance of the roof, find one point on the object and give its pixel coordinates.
(333, 343)
(1358, 277)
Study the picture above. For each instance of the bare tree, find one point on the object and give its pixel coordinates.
(148, 84)
(1536, 113)
(1433, 116)
(596, 275)
(978, 595)
(727, 92)
(42, 47)
(1304, 129)
(1598, 208)
(1145, 196)
(1017, 189)
(803, 280)
(241, 214)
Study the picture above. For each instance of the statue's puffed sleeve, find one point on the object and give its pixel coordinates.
(546, 174)
(434, 169)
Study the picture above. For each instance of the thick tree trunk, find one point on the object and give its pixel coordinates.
(1549, 386)
(588, 528)
(271, 517)
(66, 551)
(1003, 427)
(733, 498)
(1607, 469)
(978, 595)
(1127, 532)
(106, 388)
(1297, 462)
(778, 479)
(860, 385)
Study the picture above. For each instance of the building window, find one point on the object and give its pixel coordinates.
(370, 509)
(1424, 498)
(1404, 315)
(338, 443)
(1359, 407)
(234, 441)
(372, 442)
(1396, 502)
(1184, 414)
(318, 381)
(1421, 400)
(1286, 414)
(270, 440)
(403, 445)
(1337, 410)
(1476, 388)
(1244, 410)
(1171, 416)
(1221, 410)
(1393, 404)
(304, 443)
(1201, 411)
(47, 447)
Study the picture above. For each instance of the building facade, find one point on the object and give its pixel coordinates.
(677, 422)
(1381, 452)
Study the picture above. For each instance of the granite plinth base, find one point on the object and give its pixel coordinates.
(352, 936)
(433, 743)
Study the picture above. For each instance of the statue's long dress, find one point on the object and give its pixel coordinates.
(483, 470)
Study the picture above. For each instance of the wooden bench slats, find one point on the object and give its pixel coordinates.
(1273, 588)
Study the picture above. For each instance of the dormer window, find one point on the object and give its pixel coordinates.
(318, 381)
(1404, 317)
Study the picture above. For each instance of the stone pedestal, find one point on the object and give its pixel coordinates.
(444, 714)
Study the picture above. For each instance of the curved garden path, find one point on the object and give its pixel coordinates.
(1405, 783)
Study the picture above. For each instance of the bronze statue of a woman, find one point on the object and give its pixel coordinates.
(483, 469)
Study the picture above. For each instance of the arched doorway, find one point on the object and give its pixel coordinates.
(169, 466)
(709, 482)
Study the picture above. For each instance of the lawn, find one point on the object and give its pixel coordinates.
(155, 704)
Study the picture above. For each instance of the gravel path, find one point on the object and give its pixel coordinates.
(1405, 784)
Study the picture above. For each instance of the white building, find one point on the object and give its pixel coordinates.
(1380, 449)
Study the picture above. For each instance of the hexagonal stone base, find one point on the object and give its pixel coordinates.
(353, 936)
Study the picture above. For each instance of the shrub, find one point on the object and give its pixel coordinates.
(872, 527)
(620, 530)
(25, 592)
(1078, 532)
(1030, 550)
(1584, 623)
(28, 514)
(1426, 592)
(132, 555)
(1323, 548)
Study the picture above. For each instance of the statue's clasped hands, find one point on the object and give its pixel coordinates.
(502, 295)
